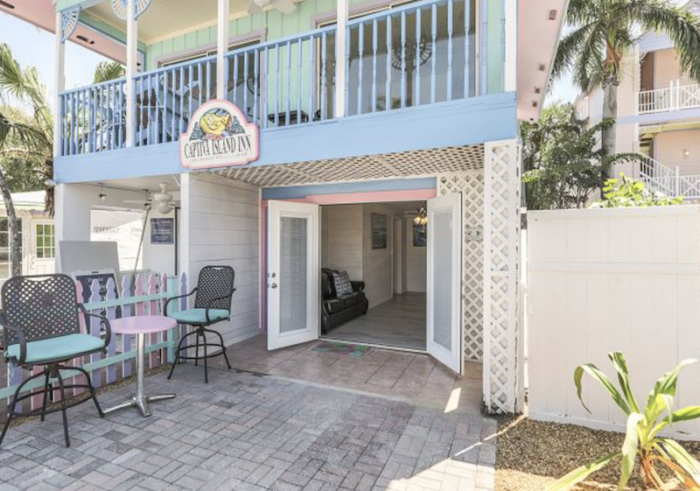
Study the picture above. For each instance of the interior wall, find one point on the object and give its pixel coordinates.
(224, 229)
(342, 239)
(377, 263)
(159, 257)
(416, 261)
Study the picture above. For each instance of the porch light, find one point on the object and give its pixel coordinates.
(422, 218)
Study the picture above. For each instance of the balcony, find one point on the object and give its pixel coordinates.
(417, 55)
(667, 181)
(674, 98)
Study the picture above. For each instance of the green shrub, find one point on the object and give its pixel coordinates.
(628, 193)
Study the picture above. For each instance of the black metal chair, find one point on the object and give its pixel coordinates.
(41, 327)
(212, 305)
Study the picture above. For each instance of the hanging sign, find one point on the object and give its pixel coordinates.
(218, 135)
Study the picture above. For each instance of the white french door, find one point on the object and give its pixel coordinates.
(293, 274)
(444, 287)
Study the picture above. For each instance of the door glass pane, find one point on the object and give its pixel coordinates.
(293, 274)
(441, 227)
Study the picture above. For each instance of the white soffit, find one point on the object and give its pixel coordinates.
(371, 167)
(540, 24)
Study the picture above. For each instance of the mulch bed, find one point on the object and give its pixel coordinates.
(531, 455)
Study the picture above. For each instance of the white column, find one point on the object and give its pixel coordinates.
(222, 48)
(60, 75)
(340, 48)
(511, 38)
(503, 368)
(132, 56)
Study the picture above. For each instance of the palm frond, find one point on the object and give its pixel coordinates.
(108, 70)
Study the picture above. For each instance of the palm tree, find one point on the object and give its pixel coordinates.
(22, 139)
(605, 29)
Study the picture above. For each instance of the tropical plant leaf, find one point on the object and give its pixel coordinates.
(629, 448)
(682, 457)
(667, 383)
(620, 363)
(594, 372)
(581, 473)
(684, 414)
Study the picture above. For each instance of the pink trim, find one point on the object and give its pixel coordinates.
(372, 197)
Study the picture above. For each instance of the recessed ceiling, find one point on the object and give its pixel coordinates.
(164, 19)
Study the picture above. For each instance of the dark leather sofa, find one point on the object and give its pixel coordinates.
(340, 309)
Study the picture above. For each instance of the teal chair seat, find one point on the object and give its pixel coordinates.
(199, 316)
(63, 347)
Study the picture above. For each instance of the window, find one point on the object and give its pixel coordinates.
(205, 53)
(5, 267)
(45, 241)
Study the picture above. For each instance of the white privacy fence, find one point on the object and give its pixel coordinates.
(604, 280)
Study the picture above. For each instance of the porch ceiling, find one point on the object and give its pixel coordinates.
(370, 167)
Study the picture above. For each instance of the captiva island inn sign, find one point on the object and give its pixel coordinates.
(218, 135)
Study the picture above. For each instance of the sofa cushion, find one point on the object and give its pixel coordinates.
(352, 299)
(343, 285)
(335, 306)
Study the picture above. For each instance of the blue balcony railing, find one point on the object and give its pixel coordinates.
(418, 54)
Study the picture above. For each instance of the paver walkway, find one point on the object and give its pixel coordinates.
(247, 432)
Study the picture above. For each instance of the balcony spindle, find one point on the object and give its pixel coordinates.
(346, 60)
(467, 47)
(361, 51)
(450, 25)
(200, 81)
(265, 93)
(235, 79)
(312, 76)
(181, 118)
(277, 85)
(416, 69)
(403, 59)
(110, 113)
(387, 95)
(374, 65)
(433, 31)
(245, 84)
(190, 84)
(299, 71)
(174, 135)
(323, 76)
(166, 86)
(289, 84)
(256, 85)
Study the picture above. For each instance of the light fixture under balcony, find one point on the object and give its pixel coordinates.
(421, 218)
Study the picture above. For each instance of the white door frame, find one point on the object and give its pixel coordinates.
(454, 358)
(276, 211)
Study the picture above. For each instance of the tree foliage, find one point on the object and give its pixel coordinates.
(628, 193)
(563, 163)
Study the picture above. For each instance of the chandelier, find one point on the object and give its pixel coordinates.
(421, 219)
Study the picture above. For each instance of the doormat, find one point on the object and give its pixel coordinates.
(342, 348)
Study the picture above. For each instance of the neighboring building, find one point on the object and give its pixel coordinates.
(387, 106)
(658, 115)
(37, 235)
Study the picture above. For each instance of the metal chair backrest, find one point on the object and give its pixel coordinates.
(42, 306)
(215, 288)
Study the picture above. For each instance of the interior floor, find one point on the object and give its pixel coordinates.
(398, 323)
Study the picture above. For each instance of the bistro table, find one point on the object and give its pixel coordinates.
(140, 325)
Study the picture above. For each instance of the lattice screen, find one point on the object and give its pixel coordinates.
(501, 246)
(471, 185)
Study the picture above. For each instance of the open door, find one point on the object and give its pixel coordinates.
(444, 280)
(293, 274)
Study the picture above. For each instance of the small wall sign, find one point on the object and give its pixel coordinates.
(218, 135)
(162, 231)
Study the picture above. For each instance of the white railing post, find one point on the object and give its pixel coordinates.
(511, 47)
(222, 48)
(60, 84)
(132, 53)
(678, 181)
(341, 39)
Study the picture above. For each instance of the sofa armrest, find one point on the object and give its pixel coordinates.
(358, 286)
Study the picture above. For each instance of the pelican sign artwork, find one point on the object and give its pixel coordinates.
(218, 135)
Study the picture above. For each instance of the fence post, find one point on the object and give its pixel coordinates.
(154, 359)
(170, 289)
(126, 312)
(111, 315)
(183, 305)
(95, 325)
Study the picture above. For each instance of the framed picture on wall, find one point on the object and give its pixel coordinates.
(379, 231)
(420, 235)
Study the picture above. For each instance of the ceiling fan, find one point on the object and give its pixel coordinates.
(162, 201)
(284, 6)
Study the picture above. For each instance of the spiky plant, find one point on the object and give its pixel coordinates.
(644, 425)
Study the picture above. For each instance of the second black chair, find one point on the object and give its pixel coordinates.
(212, 304)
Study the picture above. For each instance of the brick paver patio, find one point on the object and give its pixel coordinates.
(248, 432)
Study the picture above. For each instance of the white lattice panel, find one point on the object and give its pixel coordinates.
(471, 185)
(501, 247)
(370, 167)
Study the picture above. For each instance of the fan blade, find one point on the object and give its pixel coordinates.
(285, 6)
(254, 8)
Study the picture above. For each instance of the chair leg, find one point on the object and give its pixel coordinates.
(196, 354)
(63, 404)
(223, 347)
(46, 395)
(93, 394)
(177, 356)
(206, 360)
(11, 406)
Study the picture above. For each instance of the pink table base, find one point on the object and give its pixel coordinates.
(140, 325)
